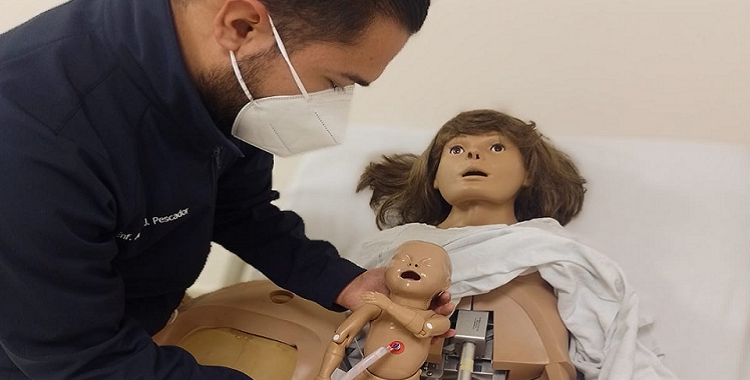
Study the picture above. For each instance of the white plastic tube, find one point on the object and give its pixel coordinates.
(365, 363)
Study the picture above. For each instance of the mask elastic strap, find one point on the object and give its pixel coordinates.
(282, 48)
(238, 74)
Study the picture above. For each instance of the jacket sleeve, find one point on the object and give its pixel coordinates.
(274, 241)
(62, 301)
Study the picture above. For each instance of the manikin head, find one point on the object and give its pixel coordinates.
(480, 176)
(537, 178)
(331, 43)
(418, 270)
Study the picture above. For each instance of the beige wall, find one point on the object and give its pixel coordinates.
(667, 68)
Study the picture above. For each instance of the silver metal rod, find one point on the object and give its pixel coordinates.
(466, 366)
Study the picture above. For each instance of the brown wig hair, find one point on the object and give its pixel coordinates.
(402, 184)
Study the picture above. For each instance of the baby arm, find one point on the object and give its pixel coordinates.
(343, 336)
(412, 319)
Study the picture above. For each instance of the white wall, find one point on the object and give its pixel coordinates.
(15, 12)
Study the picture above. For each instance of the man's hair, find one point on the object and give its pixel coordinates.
(340, 21)
(301, 22)
(402, 184)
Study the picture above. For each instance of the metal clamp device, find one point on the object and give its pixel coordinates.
(467, 355)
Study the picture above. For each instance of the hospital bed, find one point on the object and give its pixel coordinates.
(674, 214)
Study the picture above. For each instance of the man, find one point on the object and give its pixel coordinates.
(135, 132)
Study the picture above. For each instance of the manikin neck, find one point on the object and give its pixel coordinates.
(480, 214)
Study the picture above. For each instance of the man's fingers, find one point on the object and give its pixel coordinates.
(446, 309)
(442, 304)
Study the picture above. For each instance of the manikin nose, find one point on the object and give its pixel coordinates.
(473, 155)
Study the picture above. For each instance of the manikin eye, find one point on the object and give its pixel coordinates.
(456, 149)
(497, 148)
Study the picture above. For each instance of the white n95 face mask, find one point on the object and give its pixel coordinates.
(288, 125)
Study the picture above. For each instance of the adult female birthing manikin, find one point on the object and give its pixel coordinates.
(571, 248)
(210, 307)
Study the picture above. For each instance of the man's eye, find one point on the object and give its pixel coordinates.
(497, 148)
(456, 150)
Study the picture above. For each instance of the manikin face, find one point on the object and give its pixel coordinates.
(486, 168)
(418, 269)
(319, 65)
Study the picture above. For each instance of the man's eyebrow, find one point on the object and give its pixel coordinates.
(357, 79)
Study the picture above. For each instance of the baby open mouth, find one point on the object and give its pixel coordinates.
(411, 275)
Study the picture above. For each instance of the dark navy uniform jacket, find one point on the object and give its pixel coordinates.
(114, 181)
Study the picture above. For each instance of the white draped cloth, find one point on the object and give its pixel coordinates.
(610, 339)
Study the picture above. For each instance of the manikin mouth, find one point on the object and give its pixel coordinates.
(475, 173)
(411, 275)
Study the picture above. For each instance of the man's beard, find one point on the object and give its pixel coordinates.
(221, 92)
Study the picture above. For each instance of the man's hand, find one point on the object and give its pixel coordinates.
(372, 280)
(442, 305)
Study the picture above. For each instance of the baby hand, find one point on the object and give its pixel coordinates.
(340, 337)
(377, 299)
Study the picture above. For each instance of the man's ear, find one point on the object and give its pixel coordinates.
(240, 22)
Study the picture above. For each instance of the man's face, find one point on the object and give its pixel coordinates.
(485, 168)
(319, 65)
